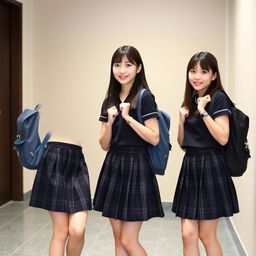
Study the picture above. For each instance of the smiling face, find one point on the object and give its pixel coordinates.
(200, 79)
(125, 72)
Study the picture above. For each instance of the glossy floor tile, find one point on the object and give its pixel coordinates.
(26, 231)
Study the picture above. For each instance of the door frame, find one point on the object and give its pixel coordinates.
(15, 92)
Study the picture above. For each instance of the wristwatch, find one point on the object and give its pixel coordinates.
(203, 114)
(129, 120)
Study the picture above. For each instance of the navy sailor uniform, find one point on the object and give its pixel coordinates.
(205, 189)
(127, 189)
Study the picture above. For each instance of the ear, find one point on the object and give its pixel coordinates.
(138, 69)
(214, 76)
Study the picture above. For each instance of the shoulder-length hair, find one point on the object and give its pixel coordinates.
(207, 61)
(114, 88)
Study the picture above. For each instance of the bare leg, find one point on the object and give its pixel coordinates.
(60, 233)
(116, 228)
(207, 234)
(77, 222)
(130, 238)
(190, 237)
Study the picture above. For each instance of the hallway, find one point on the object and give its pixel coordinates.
(25, 231)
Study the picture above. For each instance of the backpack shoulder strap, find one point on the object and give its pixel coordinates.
(213, 98)
(45, 140)
(231, 102)
(139, 105)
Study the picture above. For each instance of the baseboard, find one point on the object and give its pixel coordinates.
(27, 195)
(241, 249)
(167, 205)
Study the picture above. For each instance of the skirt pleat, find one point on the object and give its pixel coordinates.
(127, 189)
(205, 189)
(62, 180)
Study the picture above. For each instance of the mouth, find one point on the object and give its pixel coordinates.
(197, 83)
(122, 77)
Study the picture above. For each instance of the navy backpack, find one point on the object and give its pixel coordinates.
(158, 154)
(28, 143)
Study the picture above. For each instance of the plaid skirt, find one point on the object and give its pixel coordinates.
(62, 181)
(205, 189)
(127, 189)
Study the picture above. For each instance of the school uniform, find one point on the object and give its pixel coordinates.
(205, 189)
(127, 189)
(62, 180)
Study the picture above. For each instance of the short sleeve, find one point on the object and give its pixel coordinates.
(103, 116)
(148, 106)
(221, 105)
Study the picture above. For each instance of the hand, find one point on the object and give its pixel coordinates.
(112, 114)
(202, 102)
(184, 112)
(125, 108)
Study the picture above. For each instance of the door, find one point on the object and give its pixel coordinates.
(11, 178)
(5, 152)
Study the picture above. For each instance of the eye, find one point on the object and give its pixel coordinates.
(116, 65)
(192, 71)
(129, 64)
(205, 71)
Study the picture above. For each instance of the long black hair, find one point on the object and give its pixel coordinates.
(114, 88)
(208, 62)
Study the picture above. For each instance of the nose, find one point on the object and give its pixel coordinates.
(122, 69)
(197, 75)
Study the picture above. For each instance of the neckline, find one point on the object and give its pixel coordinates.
(122, 101)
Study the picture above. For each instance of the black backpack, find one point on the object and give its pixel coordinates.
(28, 143)
(237, 151)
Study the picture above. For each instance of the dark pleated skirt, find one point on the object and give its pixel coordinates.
(205, 189)
(127, 189)
(62, 180)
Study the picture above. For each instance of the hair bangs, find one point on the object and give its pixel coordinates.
(204, 64)
(117, 57)
(125, 51)
(201, 60)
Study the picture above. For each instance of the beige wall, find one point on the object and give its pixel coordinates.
(242, 54)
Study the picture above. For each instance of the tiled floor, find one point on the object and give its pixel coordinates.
(26, 231)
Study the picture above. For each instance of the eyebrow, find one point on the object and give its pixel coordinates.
(201, 69)
(124, 62)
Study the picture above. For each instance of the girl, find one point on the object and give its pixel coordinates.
(127, 190)
(205, 190)
(62, 187)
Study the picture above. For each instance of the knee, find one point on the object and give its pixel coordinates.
(117, 238)
(207, 238)
(189, 237)
(61, 234)
(127, 243)
(77, 232)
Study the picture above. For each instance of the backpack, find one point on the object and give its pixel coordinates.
(28, 143)
(237, 152)
(159, 154)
